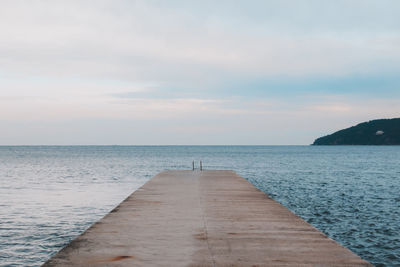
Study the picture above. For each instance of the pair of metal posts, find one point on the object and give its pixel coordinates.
(201, 165)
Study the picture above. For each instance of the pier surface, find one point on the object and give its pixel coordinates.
(202, 218)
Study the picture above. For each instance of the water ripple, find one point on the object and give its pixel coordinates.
(49, 195)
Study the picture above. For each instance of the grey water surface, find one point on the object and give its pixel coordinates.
(50, 194)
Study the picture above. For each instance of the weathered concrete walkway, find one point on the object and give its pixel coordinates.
(208, 218)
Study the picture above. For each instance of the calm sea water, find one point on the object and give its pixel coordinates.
(49, 195)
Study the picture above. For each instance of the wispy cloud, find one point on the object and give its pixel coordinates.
(218, 63)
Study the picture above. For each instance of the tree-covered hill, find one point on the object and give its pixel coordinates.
(376, 132)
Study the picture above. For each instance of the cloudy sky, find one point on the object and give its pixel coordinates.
(195, 72)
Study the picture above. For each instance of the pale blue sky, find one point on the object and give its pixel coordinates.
(195, 72)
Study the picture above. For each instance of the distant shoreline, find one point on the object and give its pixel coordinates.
(382, 132)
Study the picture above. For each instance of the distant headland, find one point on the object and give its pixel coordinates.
(375, 132)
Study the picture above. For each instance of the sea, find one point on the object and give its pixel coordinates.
(51, 194)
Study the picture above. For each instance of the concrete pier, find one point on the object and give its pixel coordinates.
(202, 218)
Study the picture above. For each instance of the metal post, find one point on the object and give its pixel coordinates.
(201, 166)
(193, 165)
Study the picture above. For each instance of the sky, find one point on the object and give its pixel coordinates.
(149, 72)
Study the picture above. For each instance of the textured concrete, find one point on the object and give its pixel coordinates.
(208, 218)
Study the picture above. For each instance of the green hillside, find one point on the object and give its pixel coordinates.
(376, 132)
